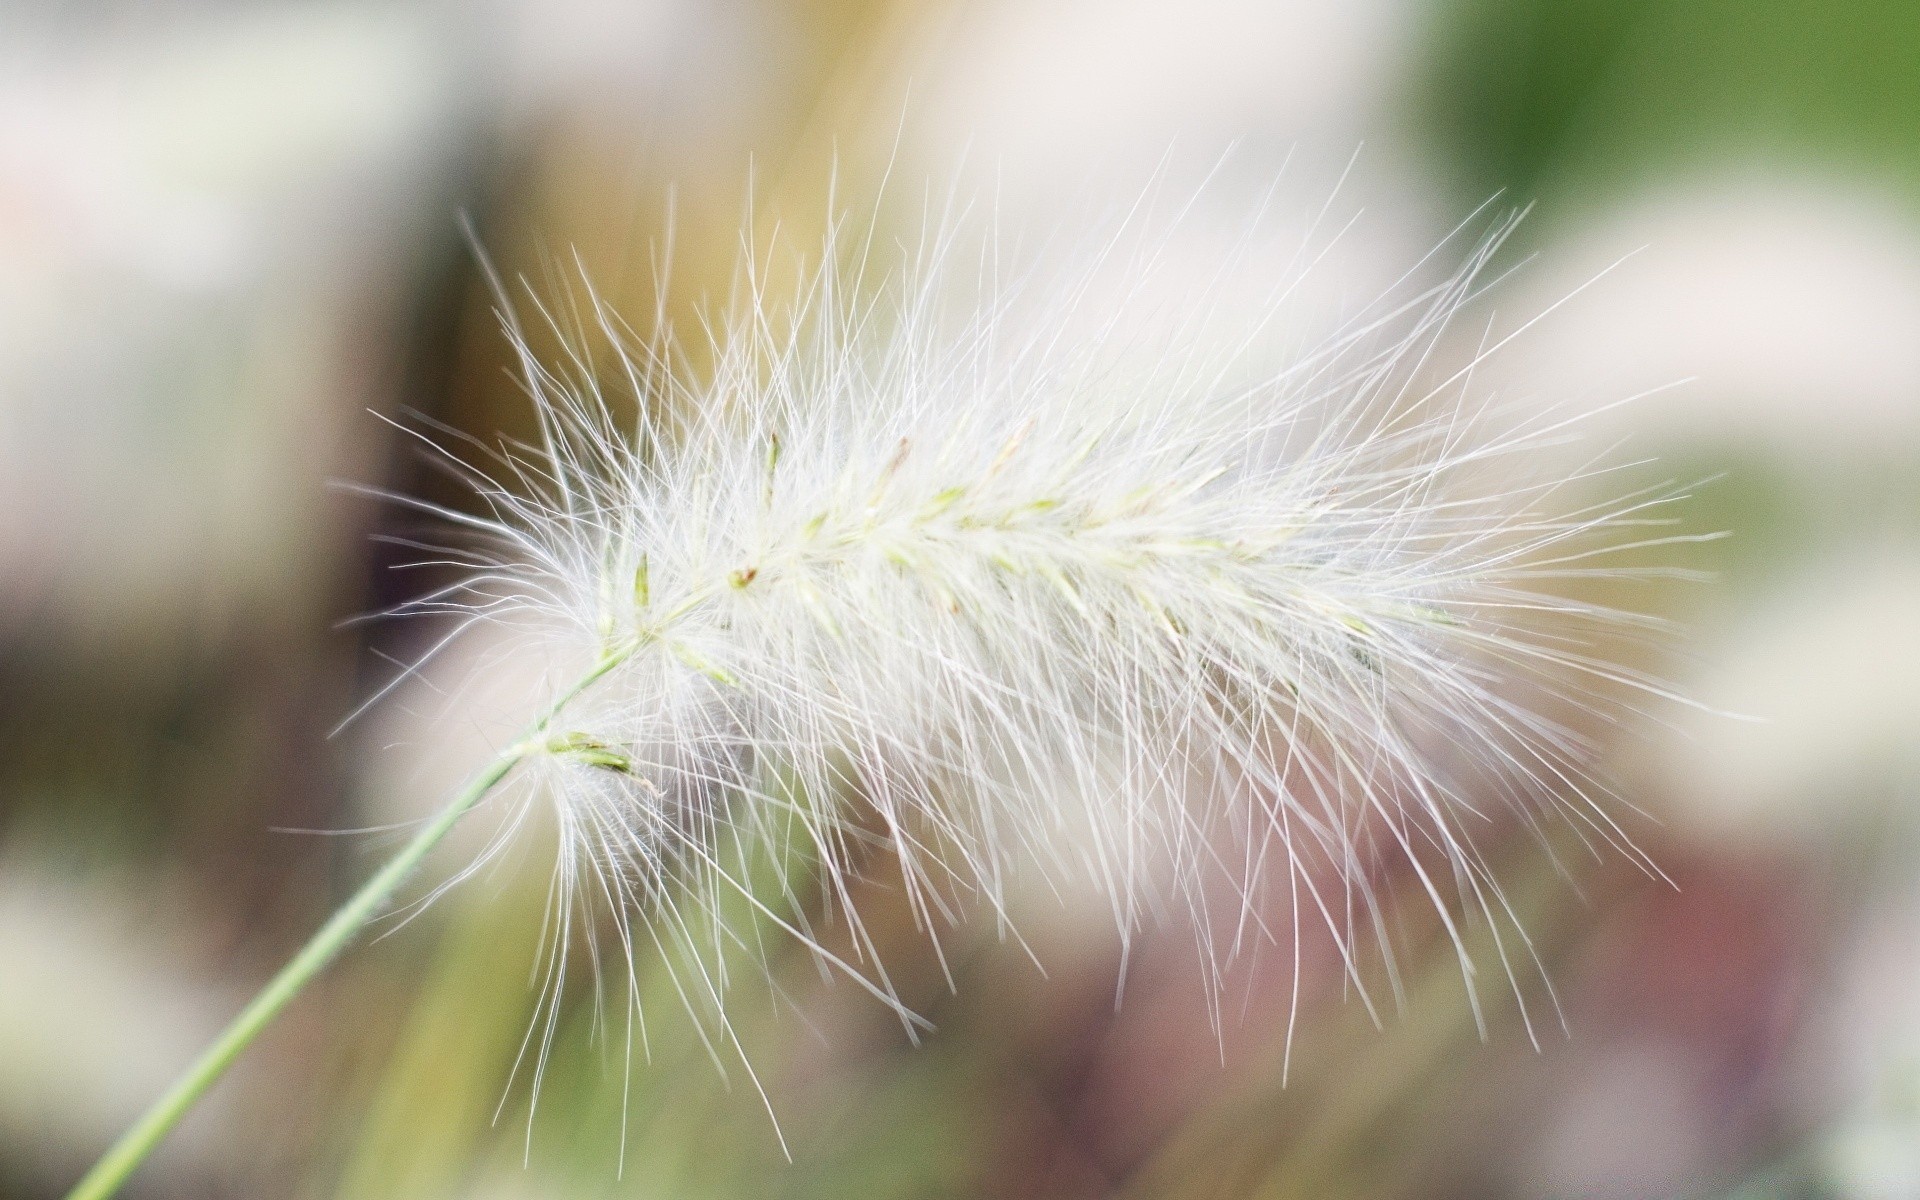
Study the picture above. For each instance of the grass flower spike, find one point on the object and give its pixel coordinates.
(1005, 576)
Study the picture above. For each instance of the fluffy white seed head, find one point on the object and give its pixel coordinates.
(1055, 576)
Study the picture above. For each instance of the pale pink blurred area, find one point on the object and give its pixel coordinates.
(1862, 1058)
(694, 73)
(1118, 87)
(1056, 116)
(1772, 312)
(1808, 711)
(202, 217)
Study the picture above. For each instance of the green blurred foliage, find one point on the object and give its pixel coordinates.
(1571, 101)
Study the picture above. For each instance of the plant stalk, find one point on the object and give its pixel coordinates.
(126, 1155)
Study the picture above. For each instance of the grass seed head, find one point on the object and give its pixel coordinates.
(1052, 573)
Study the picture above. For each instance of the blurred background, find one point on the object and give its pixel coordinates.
(230, 235)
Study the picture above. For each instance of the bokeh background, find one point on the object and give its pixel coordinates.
(230, 238)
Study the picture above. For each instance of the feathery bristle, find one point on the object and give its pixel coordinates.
(1059, 576)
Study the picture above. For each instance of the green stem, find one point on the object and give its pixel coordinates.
(137, 1143)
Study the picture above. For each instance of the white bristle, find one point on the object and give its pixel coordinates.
(1062, 577)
